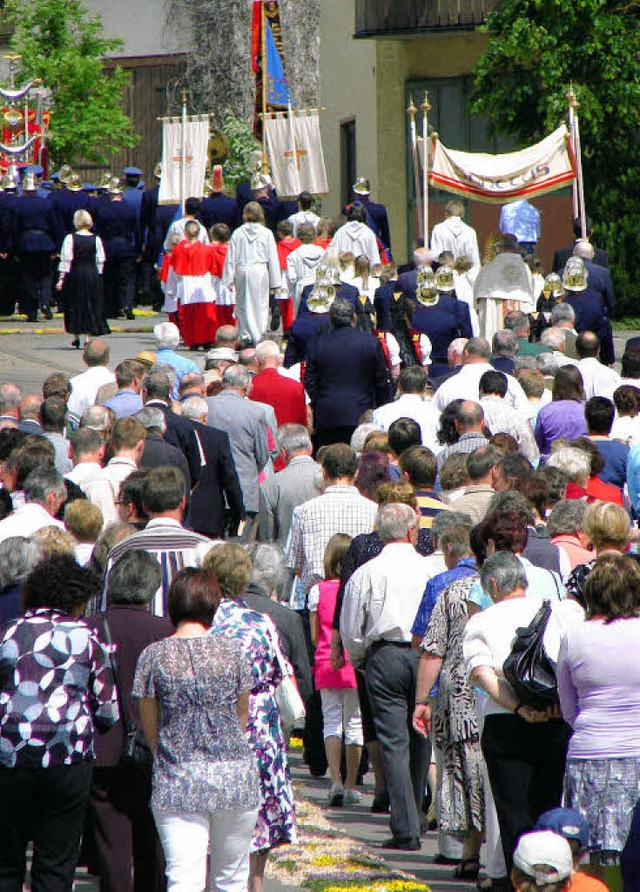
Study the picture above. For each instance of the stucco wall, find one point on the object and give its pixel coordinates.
(140, 23)
(437, 55)
(347, 90)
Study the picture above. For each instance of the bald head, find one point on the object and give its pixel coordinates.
(469, 418)
(587, 345)
(584, 249)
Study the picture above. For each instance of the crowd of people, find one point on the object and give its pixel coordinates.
(375, 502)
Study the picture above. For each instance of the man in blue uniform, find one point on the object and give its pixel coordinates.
(116, 224)
(66, 200)
(589, 306)
(155, 220)
(442, 318)
(9, 273)
(308, 327)
(346, 375)
(377, 219)
(35, 243)
(218, 207)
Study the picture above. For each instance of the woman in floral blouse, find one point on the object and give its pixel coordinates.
(194, 690)
(231, 565)
(56, 687)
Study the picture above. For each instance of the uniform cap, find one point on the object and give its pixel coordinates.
(553, 284)
(36, 169)
(29, 183)
(544, 856)
(427, 290)
(362, 186)
(444, 279)
(132, 172)
(575, 275)
(74, 183)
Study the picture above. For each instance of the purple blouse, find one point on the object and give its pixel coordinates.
(562, 418)
(599, 686)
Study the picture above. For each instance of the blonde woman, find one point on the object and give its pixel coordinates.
(80, 280)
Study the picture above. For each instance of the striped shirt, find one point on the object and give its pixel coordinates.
(174, 548)
(430, 505)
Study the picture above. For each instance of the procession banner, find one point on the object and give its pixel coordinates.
(196, 139)
(267, 51)
(294, 148)
(544, 167)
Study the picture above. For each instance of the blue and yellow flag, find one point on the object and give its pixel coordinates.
(276, 86)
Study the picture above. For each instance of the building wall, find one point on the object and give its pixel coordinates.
(433, 56)
(140, 24)
(347, 91)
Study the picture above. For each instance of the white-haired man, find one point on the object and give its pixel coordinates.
(232, 412)
(167, 337)
(380, 602)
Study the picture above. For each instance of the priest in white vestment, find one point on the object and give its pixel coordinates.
(252, 267)
(503, 285)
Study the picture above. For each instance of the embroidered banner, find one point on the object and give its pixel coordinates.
(548, 165)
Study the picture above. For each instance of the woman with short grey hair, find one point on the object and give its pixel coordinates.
(18, 556)
(524, 748)
(566, 530)
(268, 573)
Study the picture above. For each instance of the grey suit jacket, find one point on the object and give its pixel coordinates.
(283, 492)
(244, 423)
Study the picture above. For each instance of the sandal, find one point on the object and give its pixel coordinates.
(468, 869)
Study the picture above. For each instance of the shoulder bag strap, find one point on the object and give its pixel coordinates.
(284, 665)
(124, 717)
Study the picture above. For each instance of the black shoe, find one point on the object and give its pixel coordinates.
(380, 804)
(32, 317)
(76, 343)
(442, 859)
(46, 312)
(129, 314)
(402, 843)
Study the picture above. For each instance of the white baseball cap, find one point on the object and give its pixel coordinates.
(544, 856)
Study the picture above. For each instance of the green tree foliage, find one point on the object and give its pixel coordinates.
(64, 46)
(536, 49)
(241, 145)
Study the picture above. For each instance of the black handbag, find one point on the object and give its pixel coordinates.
(135, 749)
(528, 669)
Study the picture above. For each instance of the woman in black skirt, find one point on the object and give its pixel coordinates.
(80, 280)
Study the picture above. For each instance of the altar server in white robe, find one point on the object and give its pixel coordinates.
(355, 237)
(252, 267)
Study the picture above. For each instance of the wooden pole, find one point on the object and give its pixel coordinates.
(426, 108)
(183, 153)
(413, 136)
(579, 209)
(570, 96)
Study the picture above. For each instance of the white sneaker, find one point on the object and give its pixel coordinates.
(352, 797)
(336, 794)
